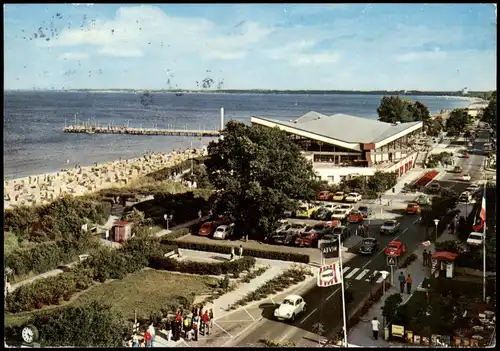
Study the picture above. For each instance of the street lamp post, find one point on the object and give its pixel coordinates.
(436, 221)
(168, 218)
(343, 294)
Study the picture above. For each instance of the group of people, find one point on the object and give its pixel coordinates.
(146, 341)
(405, 280)
(426, 258)
(191, 325)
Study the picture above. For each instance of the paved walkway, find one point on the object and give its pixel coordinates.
(361, 334)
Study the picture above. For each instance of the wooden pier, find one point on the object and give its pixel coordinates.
(89, 129)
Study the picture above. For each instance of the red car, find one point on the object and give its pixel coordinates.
(208, 228)
(324, 195)
(413, 208)
(395, 248)
(465, 155)
(355, 217)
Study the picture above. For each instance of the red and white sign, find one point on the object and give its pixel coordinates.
(329, 275)
(426, 243)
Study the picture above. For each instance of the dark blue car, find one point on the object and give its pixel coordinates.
(365, 211)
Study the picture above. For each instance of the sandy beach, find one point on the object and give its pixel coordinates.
(45, 188)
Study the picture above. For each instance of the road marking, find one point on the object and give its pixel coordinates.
(224, 330)
(249, 314)
(274, 303)
(241, 332)
(345, 269)
(418, 219)
(374, 274)
(404, 230)
(362, 274)
(380, 280)
(367, 263)
(352, 273)
(333, 293)
(309, 315)
(286, 335)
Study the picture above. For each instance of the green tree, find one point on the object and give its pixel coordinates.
(457, 120)
(391, 305)
(490, 113)
(380, 182)
(257, 171)
(442, 204)
(434, 126)
(393, 109)
(420, 112)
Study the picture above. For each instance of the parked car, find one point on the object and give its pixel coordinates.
(395, 248)
(465, 177)
(413, 208)
(365, 211)
(283, 226)
(473, 188)
(306, 211)
(297, 228)
(353, 197)
(355, 217)
(339, 214)
(339, 196)
(346, 207)
(390, 227)
(465, 155)
(310, 236)
(290, 308)
(284, 238)
(368, 246)
(223, 231)
(457, 169)
(465, 197)
(423, 200)
(324, 196)
(434, 188)
(208, 228)
(323, 214)
(330, 205)
(475, 239)
(344, 232)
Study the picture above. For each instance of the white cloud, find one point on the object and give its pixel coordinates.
(120, 52)
(74, 56)
(313, 59)
(425, 55)
(299, 54)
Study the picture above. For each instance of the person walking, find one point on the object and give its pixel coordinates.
(375, 326)
(232, 254)
(206, 323)
(147, 337)
(241, 251)
(428, 260)
(152, 332)
(187, 325)
(409, 281)
(211, 315)
(402, 281)
(424, 258)
(196, 324)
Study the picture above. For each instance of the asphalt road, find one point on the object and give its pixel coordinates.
(325, 304)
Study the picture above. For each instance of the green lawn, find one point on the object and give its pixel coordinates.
(146, 291)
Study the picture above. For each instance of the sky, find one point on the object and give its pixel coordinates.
(438, 47)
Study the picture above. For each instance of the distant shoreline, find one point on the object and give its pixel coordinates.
(440, 94)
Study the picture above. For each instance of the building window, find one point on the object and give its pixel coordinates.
(331, 179)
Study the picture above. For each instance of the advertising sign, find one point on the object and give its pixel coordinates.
(329, 275)
(409, 336)
(398, 331)
(329, 249)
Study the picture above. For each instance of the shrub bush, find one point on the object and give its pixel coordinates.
(202, 268)
(178, 233)
(225, 249)
(92, 325)
(408, 261)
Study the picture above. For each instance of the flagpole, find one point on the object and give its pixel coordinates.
(484, 244)
(343, 295)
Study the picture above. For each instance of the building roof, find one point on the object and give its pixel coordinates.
(346, 128)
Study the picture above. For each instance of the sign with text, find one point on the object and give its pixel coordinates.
(398, 331)
(329, 275)
(329, 249)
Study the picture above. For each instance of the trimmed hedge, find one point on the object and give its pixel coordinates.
(202, 268)
(46, 256)
(48, 291)
(179, 233)
(271, 255)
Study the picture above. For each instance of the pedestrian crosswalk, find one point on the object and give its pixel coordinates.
(361, 274)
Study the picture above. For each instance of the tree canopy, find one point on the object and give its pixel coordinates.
(490, 113)
(457, 120)
(393, 109)
(257, 171)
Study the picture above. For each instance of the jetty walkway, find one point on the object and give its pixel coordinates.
(140, 131)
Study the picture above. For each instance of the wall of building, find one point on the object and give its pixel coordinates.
(333, 175)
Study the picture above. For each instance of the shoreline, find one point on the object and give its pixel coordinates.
(78, 180)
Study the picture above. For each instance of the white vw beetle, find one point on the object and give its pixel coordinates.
(291, 306)
(353, 197)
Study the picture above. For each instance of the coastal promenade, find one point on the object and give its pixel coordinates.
(140, 131)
